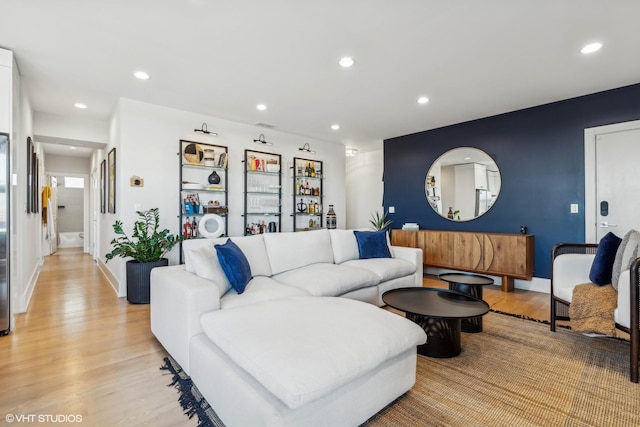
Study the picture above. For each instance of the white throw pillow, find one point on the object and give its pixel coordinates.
(627, 252)
(254, 249)
(345, 245)
(203, 262)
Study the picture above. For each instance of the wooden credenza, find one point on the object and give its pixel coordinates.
(509, 256)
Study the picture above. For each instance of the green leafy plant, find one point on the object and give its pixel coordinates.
(147, 244)
(380, 222)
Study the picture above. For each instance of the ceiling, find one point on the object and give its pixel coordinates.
(220, 58)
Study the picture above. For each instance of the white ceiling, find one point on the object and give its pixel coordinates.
(471, 58)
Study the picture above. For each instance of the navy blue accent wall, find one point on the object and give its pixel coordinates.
(540, 154)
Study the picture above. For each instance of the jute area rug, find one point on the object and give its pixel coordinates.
(518, 373)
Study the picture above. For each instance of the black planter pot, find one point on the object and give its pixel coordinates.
(138, 280)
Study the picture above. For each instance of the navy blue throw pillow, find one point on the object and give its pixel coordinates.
(602, 267)
(234, 264)
(372, 244)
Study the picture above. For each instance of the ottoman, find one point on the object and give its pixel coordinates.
(303, 361)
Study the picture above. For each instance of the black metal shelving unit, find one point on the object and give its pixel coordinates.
(262, 192)
(308, 209)
(198, 196)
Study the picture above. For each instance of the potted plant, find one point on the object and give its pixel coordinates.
(147, 246)
(380, 222)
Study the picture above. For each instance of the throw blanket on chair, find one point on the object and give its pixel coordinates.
(591, 309)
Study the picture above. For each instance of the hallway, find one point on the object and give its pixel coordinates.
(80, 351)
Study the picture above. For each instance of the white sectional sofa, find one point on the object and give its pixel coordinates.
(294, 351)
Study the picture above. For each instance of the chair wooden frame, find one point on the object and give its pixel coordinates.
(560, 307)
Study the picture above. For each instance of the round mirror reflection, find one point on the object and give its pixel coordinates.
(462, 184)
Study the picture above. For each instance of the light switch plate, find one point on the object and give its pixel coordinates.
(574, 208)
(392, 209)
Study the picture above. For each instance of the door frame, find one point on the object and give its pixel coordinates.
(86, 197)
(590, 202)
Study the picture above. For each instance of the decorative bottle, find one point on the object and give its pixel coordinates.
(194, 228)
(450, 213)
(331, 218)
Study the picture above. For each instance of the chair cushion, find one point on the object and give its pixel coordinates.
(328, 280)
(234, 264)
(303, 348)
(602, 267)
(622, 313)
(372, 244)
(627, 252)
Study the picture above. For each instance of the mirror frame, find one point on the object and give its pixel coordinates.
(439, 190)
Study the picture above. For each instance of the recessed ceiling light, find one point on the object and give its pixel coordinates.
(261, 107)
(141, 75)
(346, 61)
(423, 100)
(72, 148)
(591, 47)
(80, 105)
(335, 127)
(350, 152)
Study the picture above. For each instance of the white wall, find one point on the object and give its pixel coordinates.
(6, 71)
(364, 188)
(147, 137)
(25, 251)
(68, 164)
(71, 205)
(66, 127)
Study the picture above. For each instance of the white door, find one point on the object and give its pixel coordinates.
(612, 203)
(52, 213)
(94, 208)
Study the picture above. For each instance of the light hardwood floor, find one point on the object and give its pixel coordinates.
(533, 305)
(80, 350)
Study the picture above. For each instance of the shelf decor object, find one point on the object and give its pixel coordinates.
(203, 188)
(262, 192)
(308, 210)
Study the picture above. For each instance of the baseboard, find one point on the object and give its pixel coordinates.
(25, 298)
(536, 284)
(113, 281)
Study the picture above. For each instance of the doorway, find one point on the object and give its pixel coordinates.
(612, 177)
(69, 209)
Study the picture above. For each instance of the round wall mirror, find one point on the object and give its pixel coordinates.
(462, 184)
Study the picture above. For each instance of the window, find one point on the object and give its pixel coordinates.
(73, 182)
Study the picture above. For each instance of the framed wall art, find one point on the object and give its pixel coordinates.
(103, 186)
(111, 174)
(29, 172)
(36, 184)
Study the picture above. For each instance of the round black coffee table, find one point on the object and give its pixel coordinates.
(470, 284)
(439, 312)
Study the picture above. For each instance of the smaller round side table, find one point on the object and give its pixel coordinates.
(469, 284)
